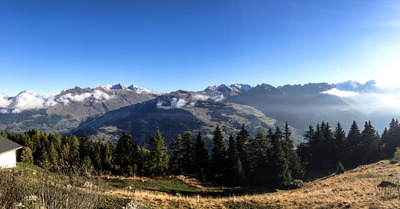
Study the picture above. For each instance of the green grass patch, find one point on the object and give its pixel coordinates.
(169, 185)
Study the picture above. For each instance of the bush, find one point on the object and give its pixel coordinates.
(340, 168)
(396, 155)
(45, 190)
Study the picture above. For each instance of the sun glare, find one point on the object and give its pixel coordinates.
(388, 78)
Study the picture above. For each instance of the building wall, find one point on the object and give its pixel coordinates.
(8, 159)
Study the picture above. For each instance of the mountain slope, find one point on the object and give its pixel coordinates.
(176, 113)
(65, 111)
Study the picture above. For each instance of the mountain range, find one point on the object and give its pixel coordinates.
(104, 112)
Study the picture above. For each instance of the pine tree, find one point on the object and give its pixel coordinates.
(218, 154)
(53, 157)
(159, 156)
(279, 162)
(124, 153)
(107, 161)
(188, 155)
(243, 149)
(295, 167)
(340, 139)
(369, 144)
(202, 159)
(262, 167)
(26, 155)
(238, 173)
(177, 158)
(352, 143)
(84, 146)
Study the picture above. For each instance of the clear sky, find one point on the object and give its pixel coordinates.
(166, 45)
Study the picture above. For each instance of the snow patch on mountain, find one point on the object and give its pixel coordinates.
(231, 88)
(141, 90)
(114, 87)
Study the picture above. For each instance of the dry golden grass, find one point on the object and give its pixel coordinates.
(356, 188)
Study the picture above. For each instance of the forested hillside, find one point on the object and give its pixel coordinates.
(265, 159)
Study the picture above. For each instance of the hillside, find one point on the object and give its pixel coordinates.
(356, 188)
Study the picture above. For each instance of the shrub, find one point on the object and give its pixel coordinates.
(340, 168)
(396, 155)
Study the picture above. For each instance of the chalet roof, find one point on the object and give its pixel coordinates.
(8, 145)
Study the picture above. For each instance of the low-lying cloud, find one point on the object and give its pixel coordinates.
(181, 103)
(30, 101)
(340, 93)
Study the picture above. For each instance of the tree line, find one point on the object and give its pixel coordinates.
(268, 159)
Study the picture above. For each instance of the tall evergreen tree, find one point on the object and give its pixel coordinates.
(159, 156)
(369, 144)
(177, 156)
(202, 159)
(295, 167)
(124, 154)
(352, 143)
(243, 149)
(218, 154)
(279, 163)
(84, 146)
(188, 155)
(261, 154)
(340, 140)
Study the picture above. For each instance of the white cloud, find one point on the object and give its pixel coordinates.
(4, 101)
(339, 93)
(175, 103)
(200, 97)
(30, 101)
(178, 103)
(218, 98)
(99, 95)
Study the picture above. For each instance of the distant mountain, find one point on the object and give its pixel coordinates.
(104, 112)
(64, 111)
(176, 113)
(369, 86)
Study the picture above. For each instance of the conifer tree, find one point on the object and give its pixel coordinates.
(279, 163)
(243, 149)
(124, 153)
(340, 139)
(262, 167)
(177, 156)
(202, 159)
(107, 161)
(218, 154)
(84, 146)
(53, 156)
(159, 156)
(26, 155)
(295, 167)
(369, 144)
(188, 155)
(352, 143)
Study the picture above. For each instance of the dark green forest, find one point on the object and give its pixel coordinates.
(268, 159)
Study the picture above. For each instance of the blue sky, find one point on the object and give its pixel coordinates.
(163, 45)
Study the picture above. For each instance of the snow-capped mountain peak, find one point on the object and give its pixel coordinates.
(141, 90)
(114, 87)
